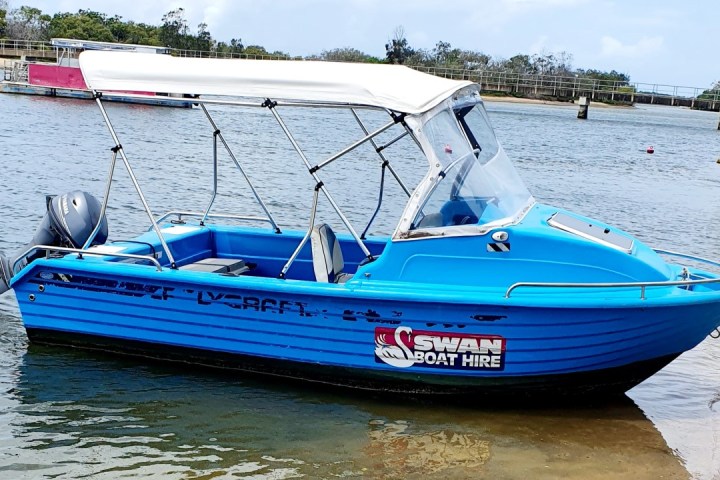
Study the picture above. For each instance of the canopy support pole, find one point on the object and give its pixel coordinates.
(380, 198)
(304, 240)
(218, 134)
(379, 151)
(120, 150)
(350, 148)
(319, 184)
(215, 176)
(95, 231)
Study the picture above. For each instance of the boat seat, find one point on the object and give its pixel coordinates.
(326, 255)
(223, 266)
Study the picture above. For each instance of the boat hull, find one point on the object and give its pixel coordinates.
(358, 337)
(595, 385)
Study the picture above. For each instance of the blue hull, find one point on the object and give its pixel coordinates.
(596, 384)
(469, 339)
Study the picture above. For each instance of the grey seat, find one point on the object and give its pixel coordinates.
(326, 255)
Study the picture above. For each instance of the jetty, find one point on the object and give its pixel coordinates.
(573, 87)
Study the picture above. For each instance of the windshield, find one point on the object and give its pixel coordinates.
(476, 183)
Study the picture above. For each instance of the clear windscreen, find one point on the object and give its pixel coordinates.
(477, 183)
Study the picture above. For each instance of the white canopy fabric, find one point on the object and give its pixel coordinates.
(394, 87)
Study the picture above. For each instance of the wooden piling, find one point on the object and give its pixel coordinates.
(584, 103)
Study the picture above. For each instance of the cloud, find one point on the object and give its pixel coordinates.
(612, 47)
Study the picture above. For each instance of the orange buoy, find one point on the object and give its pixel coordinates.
(651, 149)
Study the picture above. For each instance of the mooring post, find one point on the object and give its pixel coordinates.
(584, 103)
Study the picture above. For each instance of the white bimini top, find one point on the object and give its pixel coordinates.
(394, 87)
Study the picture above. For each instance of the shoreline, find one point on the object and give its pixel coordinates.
(537, 101)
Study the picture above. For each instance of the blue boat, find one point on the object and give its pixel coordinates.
(479, 290)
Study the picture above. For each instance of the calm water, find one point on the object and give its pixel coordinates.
(67, 414)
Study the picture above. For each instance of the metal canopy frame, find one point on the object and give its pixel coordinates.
(119, 149)
(312, 170)
(320, 186)
(218, 134)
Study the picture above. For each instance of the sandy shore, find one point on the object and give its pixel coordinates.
(492, 98)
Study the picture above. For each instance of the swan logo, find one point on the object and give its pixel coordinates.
(402, 348)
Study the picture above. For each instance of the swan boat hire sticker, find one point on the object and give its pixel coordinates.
(402, 347)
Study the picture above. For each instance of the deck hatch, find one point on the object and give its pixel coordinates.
(590, 231)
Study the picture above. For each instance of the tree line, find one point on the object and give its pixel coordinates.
(30, 23)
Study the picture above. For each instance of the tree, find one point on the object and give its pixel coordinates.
(397, 49)
(203, 40)
(256, 50)
(473, 60)
(27, 23)
(84, 25)
(235, 47)
(445, 55)
(543, 64)
(517, 64)
(345, 54)
(141, 33)
(712, 93)
(611, 76)
(3, 17)
(174, 31)
(564, 63)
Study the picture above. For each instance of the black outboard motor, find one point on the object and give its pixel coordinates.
(69, 221)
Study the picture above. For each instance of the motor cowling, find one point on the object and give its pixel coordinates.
(69, 221)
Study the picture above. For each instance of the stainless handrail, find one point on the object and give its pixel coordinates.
(182, 213)
(82, 251)
(641, 285)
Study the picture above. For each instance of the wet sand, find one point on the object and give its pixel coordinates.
(608, 442)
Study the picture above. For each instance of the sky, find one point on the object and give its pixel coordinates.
(664, 42)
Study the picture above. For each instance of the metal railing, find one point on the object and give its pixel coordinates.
(641, 285)
(490, 80)
(181, 213)
(81, 252)
(9, 47)
(218, 54)
(575, 85)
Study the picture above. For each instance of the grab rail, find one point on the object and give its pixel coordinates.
(641, 285)
(181, 213)
(81, 252)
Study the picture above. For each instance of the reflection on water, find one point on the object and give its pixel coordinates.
(73, 415)
(66, 414)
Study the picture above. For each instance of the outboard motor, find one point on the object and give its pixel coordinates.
(69, 221)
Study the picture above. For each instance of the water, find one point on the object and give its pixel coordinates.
(66, 414)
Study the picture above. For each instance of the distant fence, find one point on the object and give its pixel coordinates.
(502, 82)
(575, 86)
(18, 48)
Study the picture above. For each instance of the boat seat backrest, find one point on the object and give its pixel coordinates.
(326, 255)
